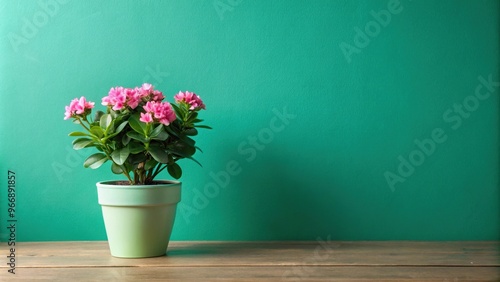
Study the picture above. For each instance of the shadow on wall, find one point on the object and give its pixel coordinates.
(280, 203)
(498, 130)
(498, 160)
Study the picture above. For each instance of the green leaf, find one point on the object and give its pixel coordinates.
(159, 133)
(202, 126)
(118, 130)
(112, 145)
(174, 170)
(113, 114)
(135, 147)
(136, 159)
(120, 156)
(187, 140)
(125, 139)
(184, 107)
(98, 115)
(137, 125)
(78, 133)
(180, 113)
(81, 143)
(196, 161)
(150, 164)
(137, 136)
(105, 121)
(170, 130)
(192, 117)
(121, 127)
(111, 128)
(162, 136)
(158, 154)
(157, 130)
(95, 160)
(191, 131)
(97, 131)
(182, 149)
(116, 169)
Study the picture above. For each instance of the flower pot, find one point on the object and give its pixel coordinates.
(138, 218)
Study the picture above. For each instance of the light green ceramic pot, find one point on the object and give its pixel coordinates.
(138, 218)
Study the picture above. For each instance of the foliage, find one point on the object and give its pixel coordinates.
(139, 133)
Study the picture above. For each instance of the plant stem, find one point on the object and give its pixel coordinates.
(148, 175)
(81, 123)
(106, 150)
(125, 172)
(158, 171)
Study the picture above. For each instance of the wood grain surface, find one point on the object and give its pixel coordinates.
(259, 261)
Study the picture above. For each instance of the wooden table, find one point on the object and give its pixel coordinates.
(259, 261)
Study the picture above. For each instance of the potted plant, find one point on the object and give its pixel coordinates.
(141, 135)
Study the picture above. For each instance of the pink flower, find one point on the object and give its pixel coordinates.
(147, 87)
(194, 101)
(144, 91)
(146, 118)
(149, 93)
(116, 98)
(78, 107)
(168, 114)
(149, 106)
(157, 95)
(133, 98)
(68, 113)
(120, 98)
(161, 112)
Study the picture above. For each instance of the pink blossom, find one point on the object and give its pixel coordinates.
(149, 106)
(133, 97)
(116, 98)
(157, 95)
(190, 98)
(146, 118)
(147, 87)
(120, 98)
(70, 110)
(161, 112)
(168, 114)
(78, 107)
(68, 113)
(144, 91)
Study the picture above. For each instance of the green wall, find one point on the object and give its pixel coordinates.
(335, 118)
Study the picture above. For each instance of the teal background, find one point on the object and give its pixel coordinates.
(319, 174)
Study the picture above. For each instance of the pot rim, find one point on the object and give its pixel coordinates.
(165, 193)
(111, 184)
